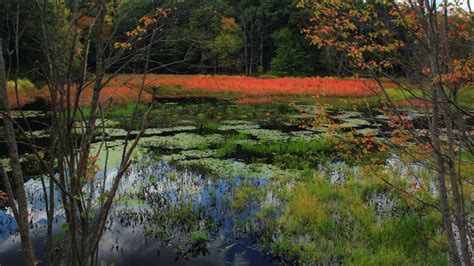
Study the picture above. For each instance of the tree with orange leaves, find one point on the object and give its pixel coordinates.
(425, 48)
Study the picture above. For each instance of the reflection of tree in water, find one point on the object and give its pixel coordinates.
(183, 209)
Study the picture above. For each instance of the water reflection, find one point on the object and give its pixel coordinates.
(162, 215)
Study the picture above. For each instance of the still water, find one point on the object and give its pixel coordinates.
(162, 216)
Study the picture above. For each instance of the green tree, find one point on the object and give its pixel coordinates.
(190, 39)
(228, 43)
(291, 59)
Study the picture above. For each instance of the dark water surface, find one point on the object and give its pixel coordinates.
(157, 220)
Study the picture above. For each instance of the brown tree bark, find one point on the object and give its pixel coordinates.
(17, 173)
(441, 179)
(459, 215)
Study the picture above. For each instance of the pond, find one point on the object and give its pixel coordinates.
(202, 175)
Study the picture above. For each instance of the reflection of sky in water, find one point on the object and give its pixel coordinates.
(10, 250)
(7, 225)
(128, 244)
(35, 208)
(176, 188)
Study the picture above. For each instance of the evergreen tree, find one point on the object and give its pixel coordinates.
(291, 59)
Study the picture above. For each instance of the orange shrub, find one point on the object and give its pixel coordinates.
(124, 88)
(252, 87)
(117, 95)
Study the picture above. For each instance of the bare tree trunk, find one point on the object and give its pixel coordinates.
(261, 52)
(429, 16)
(469, 8)
(443, 195)
(439, 46)
(17, 173)
(441, 168)
(459, 216)
(251, 50)
(441, 176)
(246, 53)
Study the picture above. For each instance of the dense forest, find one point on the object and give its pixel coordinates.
(210, 37)
(246, 37)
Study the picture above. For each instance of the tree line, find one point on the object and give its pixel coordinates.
(247, 37)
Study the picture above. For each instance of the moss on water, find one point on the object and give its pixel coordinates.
(185, 141)
(353, 123)
(265, 134)
(230, 168)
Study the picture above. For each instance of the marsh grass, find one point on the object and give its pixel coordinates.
(326, 223)
(209, 127)
(294, 154)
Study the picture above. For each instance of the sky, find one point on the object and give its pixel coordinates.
(464, 3)
(470, 1)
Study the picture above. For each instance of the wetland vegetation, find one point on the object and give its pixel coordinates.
(204, 133)
(209, 175)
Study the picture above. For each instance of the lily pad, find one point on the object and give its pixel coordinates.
(238, 127)
(185, 141)
(189, 154)
(354, 122)
(349, 114)
(266, 134)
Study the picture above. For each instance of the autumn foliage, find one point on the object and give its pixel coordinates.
(125, 88)
(261, 87)
(115, 95)
(26, 93)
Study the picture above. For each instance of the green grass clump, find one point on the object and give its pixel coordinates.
(245, 195)
(290, 154)
(382, 257)
(323, 223)
(465, 97)
(199, 236)
(209, 127)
